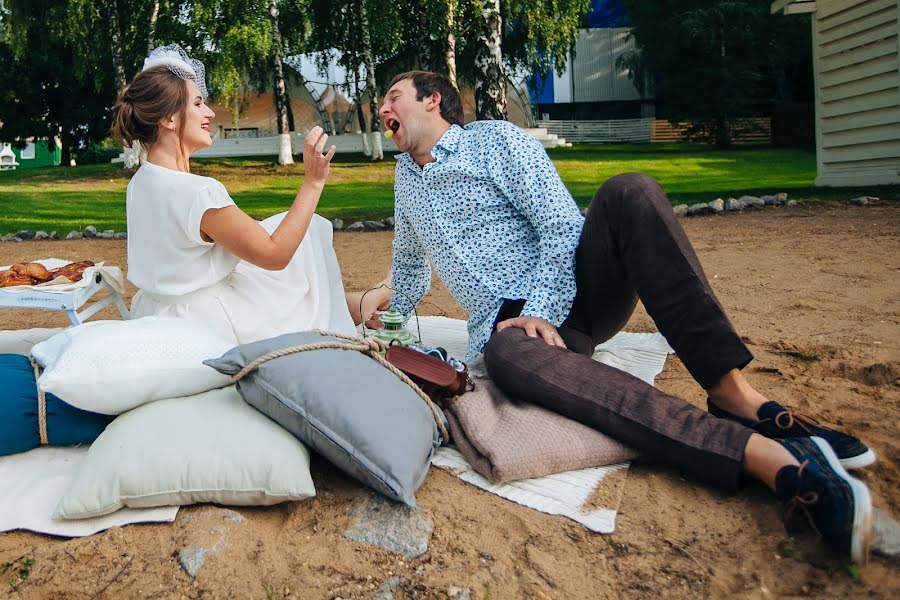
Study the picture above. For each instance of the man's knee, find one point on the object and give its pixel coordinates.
(631, 191)
(502, 348)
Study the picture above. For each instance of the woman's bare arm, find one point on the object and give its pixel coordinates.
(242, 235)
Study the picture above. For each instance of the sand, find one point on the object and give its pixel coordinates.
(814, 291)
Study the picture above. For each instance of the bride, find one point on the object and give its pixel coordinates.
(193, 253)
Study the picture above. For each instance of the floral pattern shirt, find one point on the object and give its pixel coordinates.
(494, 220)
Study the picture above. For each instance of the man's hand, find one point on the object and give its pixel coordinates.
(534, 327)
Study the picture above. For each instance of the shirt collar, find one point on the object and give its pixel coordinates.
(448, 142)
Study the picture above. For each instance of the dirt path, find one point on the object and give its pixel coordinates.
(814, 291)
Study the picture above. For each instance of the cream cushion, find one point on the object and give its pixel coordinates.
(211, 447)
(110, 367)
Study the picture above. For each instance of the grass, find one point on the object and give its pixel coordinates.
(62, 198)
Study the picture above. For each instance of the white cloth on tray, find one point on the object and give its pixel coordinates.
(180, 274)
(113, 276)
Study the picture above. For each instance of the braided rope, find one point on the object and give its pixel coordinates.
(368, 346)
(42, 404)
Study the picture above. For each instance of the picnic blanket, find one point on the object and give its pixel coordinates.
(34, 481)
(588, 496)
(505, 440)
(31, 483)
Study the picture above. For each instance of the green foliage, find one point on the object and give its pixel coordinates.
(539, 34)
(41, 91)
(713, 61)
(19, 570)
(270, 593)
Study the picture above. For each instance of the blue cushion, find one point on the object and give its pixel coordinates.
(19, 432)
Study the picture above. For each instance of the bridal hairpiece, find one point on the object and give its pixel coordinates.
(178, 62)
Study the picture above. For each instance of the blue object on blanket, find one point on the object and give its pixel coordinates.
(19, 429)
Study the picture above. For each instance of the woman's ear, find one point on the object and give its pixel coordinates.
(168, 123)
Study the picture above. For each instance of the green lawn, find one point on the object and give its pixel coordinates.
(62, 198)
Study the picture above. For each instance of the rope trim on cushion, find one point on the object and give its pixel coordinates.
(42, 404)
(368, 346)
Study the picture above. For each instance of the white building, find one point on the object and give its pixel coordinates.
(857, 77)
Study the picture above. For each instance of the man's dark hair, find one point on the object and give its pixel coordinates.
(427, 83)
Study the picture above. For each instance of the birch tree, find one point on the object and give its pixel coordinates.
(116, 45)
(371, 82)
(490, 82)
(363, 32)
(450, 47)
(285, 154)
(154, 16)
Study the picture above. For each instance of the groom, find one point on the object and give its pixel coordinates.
(483, 206)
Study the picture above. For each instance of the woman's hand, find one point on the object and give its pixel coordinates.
(315, 163)
(375, 301)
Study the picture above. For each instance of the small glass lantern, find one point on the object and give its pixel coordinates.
(392, 330)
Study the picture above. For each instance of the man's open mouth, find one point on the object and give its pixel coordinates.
(205, 126)
(392, 124)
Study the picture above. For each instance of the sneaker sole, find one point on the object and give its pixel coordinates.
(861, 536)
(859, 461)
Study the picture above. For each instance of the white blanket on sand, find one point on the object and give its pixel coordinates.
(31, 483)
(589, 496)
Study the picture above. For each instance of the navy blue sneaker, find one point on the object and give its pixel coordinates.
(836, 505)
(777, 422)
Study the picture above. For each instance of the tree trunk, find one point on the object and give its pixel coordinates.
(490, 84)
(290, 110)
(285, 155)
(154, 14)
(116, 46)
(65, 143)
(360, 115)
(450, 51)
(371, 87)
(722, 133)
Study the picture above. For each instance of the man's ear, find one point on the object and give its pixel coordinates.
(432, 102)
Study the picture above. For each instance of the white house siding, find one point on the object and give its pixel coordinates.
(857, 73)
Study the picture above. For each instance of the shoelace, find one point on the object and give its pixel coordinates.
(792, 419)
(800, 502)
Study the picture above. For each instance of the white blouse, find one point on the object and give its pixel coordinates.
(180, 274)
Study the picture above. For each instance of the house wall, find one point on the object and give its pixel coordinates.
(857, 74)
(43, 155)
(592, 75)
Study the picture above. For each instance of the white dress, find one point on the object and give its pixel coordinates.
(179, 274)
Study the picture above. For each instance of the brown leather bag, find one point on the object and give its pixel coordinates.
(436, 378)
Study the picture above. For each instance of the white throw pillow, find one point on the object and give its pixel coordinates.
(212, 447)
(110, 367)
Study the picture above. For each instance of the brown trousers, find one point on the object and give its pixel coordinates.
(633, 247)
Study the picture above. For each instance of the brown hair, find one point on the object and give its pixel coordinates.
(427, 83)
(155, 94)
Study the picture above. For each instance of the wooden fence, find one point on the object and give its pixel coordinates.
(749, 131)
(646, 130)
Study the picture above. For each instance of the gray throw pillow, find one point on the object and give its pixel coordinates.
(345, 406)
